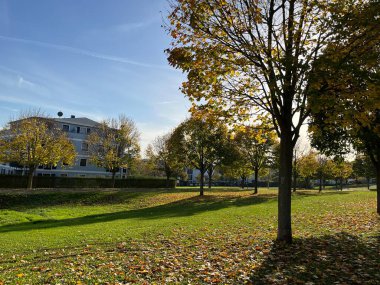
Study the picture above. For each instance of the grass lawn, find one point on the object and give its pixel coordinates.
(176, 237)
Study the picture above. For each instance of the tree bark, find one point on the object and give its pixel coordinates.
(256, 177)
(320, 182)
(32, 169)
(284, 232)
(295, 173)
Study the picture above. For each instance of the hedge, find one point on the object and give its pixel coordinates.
(15, 181)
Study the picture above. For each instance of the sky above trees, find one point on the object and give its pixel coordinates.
(89, 58)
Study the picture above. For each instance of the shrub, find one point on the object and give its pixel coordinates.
(15, 181)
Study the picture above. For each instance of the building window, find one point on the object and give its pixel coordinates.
(65, 128)
(78, 130)
(88, 130)
(84, 146)
(83, 162)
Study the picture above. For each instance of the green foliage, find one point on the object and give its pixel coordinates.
(363, 167)
(346, 83)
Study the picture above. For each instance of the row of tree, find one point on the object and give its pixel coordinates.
(315, 166)
(206, 144)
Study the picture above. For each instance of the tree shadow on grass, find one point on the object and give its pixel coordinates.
(330, 259)
(181, 208)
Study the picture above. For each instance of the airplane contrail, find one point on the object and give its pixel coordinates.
(83, 52)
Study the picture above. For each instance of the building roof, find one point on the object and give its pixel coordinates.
(78, 121)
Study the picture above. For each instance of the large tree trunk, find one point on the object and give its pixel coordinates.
(284, 232)
(295, 175)
(256, 177)
(32, 169)
(320, 182)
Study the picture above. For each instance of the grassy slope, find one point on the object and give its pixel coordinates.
(163, 236)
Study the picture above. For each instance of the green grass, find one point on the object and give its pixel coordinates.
(176, 237)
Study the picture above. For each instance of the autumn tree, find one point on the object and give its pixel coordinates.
(298, 152)
(34, 141)
(254, 143)
(114, 144)
(239, 169)
(143, 167)
(363, 167)
(322, 170)
(162, 154)
(200, 143)
(244, 58)
(345, 89)
(308, 166)
(341, 171)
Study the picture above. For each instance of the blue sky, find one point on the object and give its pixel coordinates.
(89, 58)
